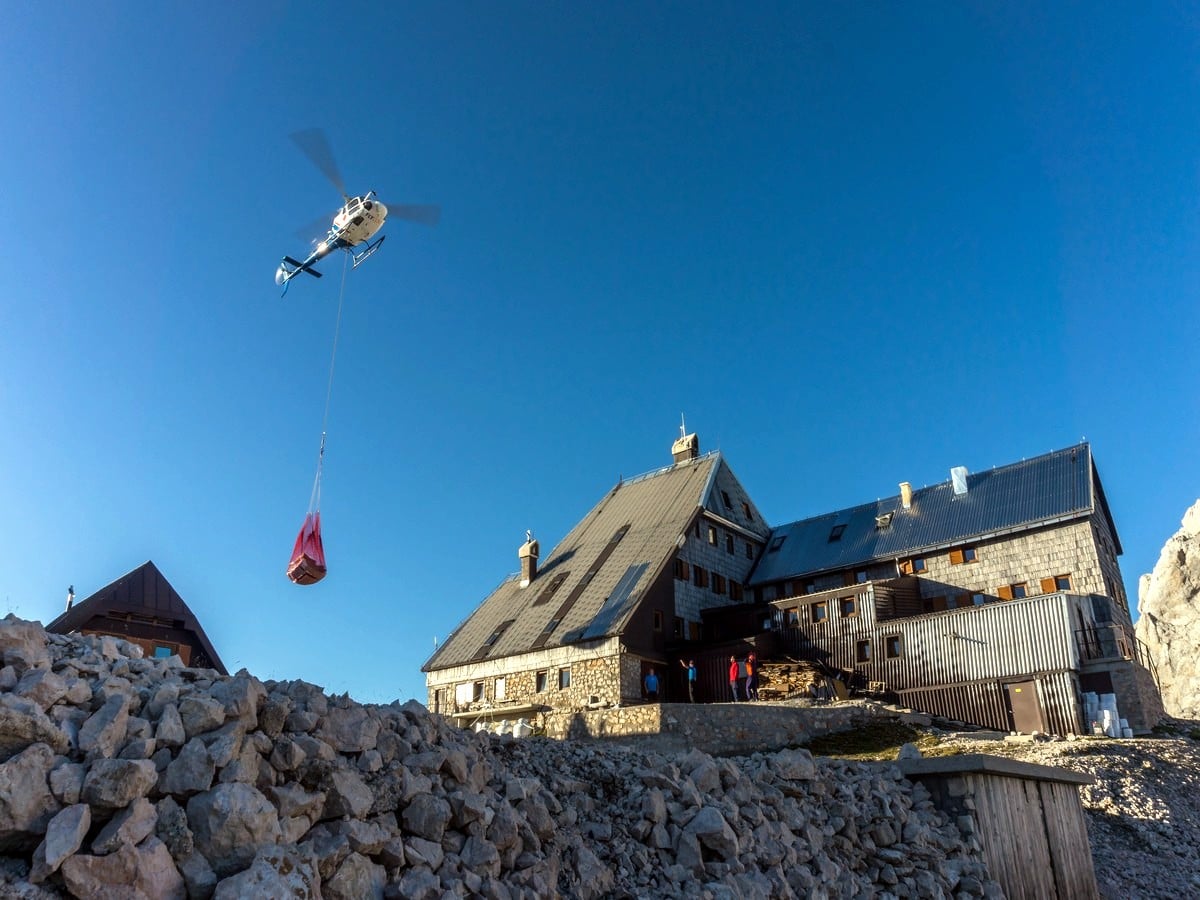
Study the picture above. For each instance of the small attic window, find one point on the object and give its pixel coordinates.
(725, 497)
(777, 543)
(836, 533)
(885, 520)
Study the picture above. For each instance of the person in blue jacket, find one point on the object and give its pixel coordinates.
(651, 683)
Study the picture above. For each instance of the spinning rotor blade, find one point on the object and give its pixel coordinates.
(317, 229)
(422, 215)
(312, 143)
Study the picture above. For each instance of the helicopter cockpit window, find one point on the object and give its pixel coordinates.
(367, 206)
(358, 220)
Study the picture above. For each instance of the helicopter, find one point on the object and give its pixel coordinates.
(355, 225)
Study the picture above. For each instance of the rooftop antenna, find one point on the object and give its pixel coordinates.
(70, 597)
(682, 427)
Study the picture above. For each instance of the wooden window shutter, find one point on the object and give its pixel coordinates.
(1048, 586)
(906, 567)
(956, 557)
(1004, 592)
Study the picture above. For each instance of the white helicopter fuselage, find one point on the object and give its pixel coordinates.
(358, 220)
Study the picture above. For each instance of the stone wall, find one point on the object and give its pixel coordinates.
(718, 728)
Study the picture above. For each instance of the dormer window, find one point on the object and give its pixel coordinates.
(777, 543)
(836, 533)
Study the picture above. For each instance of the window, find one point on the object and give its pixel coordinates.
(746, 511)
(500, 688)
(835, 534)
(736, 592)
(776, 543)
(540, 682)
(749, 550)
(464, 693)
(477, 691)
(963, 555)
(978, 599)
(699, 576)
(847, 606)
(860, 577)
(779, 590)
(725, 498)
(718, 583)
(1016, 591)
(893, 646)
(818, 612)
(161, 652)
(1056, 583)
(792, 618)
(564, 679)
(862, 652)
(712, 535)
(810, 587)
(693, 631)
(914, 566)
(681, 570)
(963, 600)
(728, 542)
(658, 620)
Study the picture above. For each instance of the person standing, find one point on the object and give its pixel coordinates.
(751, 677)
(690, 665)
(652, 686)
(733, 677)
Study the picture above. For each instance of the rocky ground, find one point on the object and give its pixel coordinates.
(123, 777)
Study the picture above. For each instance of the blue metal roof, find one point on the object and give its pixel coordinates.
(1019, 496)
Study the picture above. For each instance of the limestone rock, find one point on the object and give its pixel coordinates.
(23, 722)
(1169, 618)
(115, 783)
(23, 644)
(130, 826)
(190, 772)
(104, 731)
(26, 804)
(64, 836)
(357, 878)
(230, 823)
(275, 873)
(132, 872)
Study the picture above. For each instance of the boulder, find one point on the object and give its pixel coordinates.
(190, 772)
(230, 823)
(275, 873)
(23, 722)
(115, 783)
(130, 826)
(23, 645)
(64, 836)
(26, 803)
(104, 731)
(132, 873)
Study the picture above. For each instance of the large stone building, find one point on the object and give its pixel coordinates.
(994, 598)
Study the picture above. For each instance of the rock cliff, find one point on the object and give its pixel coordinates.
(139, 778)
(1169, 618)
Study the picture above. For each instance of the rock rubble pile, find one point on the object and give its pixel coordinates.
(139, 778)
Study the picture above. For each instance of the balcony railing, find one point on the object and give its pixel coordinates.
(1108, 642)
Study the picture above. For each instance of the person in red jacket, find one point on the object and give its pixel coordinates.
(734, 672)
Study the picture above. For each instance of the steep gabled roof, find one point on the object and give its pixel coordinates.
(143, 591)
(1058, 486)
(589, 585)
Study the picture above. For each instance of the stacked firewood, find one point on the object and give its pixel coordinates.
(788, 679)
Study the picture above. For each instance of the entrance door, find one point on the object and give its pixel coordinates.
(1024, 710)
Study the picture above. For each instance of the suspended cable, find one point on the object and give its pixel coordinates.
(314, 501)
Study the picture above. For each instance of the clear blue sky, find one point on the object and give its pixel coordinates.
(855, 243)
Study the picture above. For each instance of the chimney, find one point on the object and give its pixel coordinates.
(528, 554)
(958, 477)
(70, 597)
(685, 448)
(905, 495)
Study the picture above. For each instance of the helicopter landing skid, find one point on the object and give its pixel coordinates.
(370, 248)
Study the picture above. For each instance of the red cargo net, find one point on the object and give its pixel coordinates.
(308, 556)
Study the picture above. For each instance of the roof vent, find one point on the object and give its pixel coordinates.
(905, 495)
(528, 554)
(958, 477)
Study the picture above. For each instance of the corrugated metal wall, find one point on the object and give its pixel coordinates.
(953, 663)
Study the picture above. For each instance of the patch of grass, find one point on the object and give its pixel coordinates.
(879, 741)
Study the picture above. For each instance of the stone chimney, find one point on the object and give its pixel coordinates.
(528, 554)
(70, 597)
(905, 495)
(685, 448)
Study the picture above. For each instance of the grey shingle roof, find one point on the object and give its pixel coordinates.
(657, 508)
(1058, 485)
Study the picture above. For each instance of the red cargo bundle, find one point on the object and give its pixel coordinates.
(308, 557)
